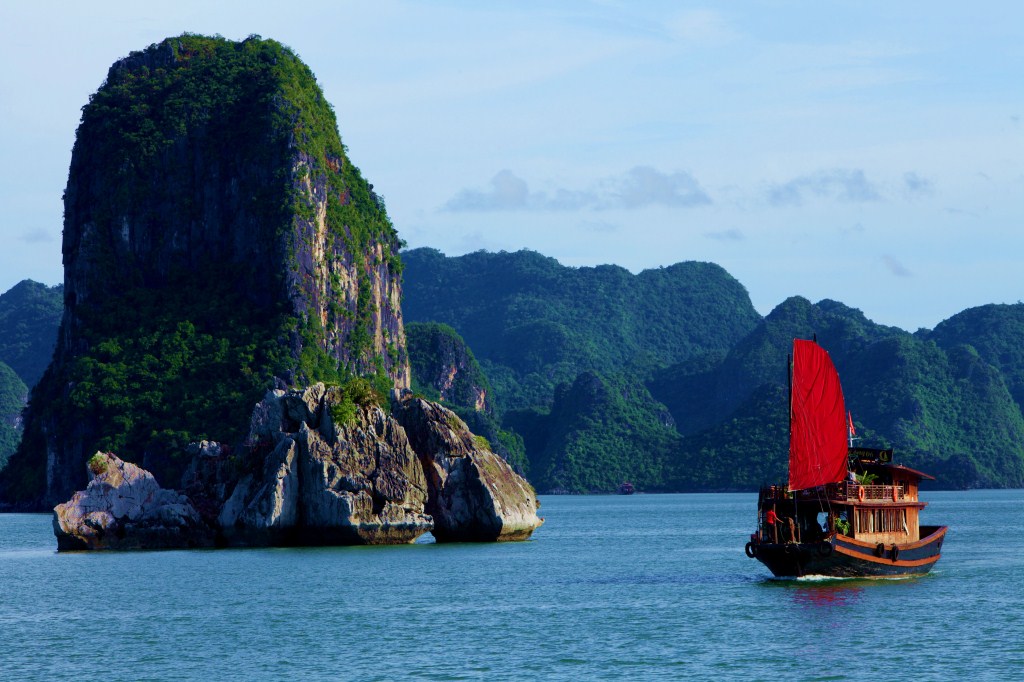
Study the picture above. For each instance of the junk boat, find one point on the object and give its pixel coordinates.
(846, 512)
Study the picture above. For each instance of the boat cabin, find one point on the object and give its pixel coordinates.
(877, 503)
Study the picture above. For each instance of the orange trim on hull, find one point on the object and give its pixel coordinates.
(886, 562)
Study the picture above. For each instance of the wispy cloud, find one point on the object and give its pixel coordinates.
(638, 187)
(507, 192)
(916, 185)
(732, 234)
(646, 186)
(953, 210)
(895, 267)
(599, 226)
(701, 27)
(842, 184)
(36, 235)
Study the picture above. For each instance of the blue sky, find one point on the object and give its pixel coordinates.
(867, 152)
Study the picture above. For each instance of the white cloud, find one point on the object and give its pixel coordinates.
(843, 184)
(917, 185)
(701, 27)
(647, 186)
(36, 236)
(732, 234)
(507, 192)
(895, 267)
(598, 226)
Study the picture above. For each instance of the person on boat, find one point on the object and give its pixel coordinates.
(773, 520)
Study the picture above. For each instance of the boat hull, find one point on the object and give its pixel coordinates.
(842, 557)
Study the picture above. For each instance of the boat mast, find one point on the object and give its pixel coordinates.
(789, 388)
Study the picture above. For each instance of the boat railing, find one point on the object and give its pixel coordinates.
(843, 491)
(875, 493)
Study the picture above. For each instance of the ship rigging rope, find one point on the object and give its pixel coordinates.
(823, 500)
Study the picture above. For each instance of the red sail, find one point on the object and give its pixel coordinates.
(817, 433)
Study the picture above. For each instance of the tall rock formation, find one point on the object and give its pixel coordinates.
(217, 241)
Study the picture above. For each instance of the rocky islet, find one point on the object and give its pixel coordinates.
(387, 477)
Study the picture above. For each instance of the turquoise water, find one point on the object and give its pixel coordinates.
(641, 587)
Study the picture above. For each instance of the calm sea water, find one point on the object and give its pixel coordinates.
(641, 587)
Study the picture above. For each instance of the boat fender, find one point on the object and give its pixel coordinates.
(825, 548)
(860, 494)
(751, 550)
(879, 549)
(895, 552)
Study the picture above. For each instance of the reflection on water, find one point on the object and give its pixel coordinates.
(816, 592)
(826, 595)
(825, 592)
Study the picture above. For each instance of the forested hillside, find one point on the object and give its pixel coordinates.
(13, 394)
(587, 360)
(565, 351)
(30, 313)
(534, 323)
(946, 411)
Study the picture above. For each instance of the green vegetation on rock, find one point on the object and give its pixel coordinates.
(346, 399)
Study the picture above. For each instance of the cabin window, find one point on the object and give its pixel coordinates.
(882, 520)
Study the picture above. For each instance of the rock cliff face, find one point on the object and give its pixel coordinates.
(217, 241)
(306, 479)
(443, 364)
(474, 494)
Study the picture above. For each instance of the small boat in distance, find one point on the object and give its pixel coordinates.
(625, 488)
(846, 512)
